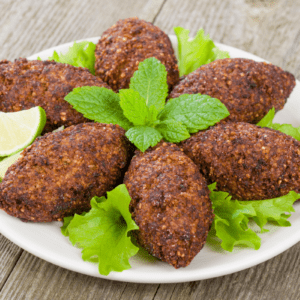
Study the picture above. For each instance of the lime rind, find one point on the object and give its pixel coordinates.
(19, 129)
(7, 162)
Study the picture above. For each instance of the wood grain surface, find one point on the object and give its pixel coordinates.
(270, 29)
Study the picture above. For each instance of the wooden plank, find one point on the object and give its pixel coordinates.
(275, 279)
(31, 26)
(9, 255)
(34, 278)
(269, 29)
(135, 291)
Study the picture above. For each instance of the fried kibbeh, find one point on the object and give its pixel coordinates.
(60, 172)
(247, 161)
(25, 84)
(124, 45)
(248, 89)
(170, 204)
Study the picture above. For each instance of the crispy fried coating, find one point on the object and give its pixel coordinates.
(25, 84)
(247, 161)
(248, 89)
(125, 44)
(170, 204)
(60, 172)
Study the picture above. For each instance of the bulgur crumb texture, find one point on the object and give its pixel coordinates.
(60, 172)
(125, 44)
(247, 161)
(170, 204)
(248, 89)
(25, 84)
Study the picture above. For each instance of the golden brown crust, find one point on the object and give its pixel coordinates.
(25, 84)
(247, 161)
(248, 89)
(170, 204)
(125, 44)
(60, 172)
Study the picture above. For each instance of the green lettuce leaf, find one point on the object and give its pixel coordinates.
(103, 232)
(99, 104)
(196, 111)
(194, 53)
(267, 121)
(231, 220)
(79, 55)
(150, 81)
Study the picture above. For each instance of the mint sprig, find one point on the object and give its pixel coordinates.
(103, 232)
(196, 112)
(141, 109)
(99, 104)
(173, 131)
(134, 107)
(150, 82)
(231, 223)
(143, 137)
(267, 121)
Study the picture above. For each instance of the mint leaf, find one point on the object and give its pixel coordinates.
(134, 106)
(172, 131)
(79, 55)
(195, 52)
(99, 104)
(232, 216)
(150, 81)
(196, 111)
(267, 121)
(152, 116)
(143, 137)
(102, 233)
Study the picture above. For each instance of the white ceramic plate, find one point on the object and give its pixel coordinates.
(46, 241)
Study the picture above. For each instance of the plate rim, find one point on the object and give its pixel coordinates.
(122, 276)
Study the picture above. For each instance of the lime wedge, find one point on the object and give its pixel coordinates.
(19, 129)
(7, 162)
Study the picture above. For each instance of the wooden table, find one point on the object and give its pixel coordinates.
(269, 29)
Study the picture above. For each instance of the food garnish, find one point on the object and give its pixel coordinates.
(102, 233)
(6, 162)
(194, 53)
(267, 121)
(79, 55)
(142, 111)
(230, 226)
(19, 129)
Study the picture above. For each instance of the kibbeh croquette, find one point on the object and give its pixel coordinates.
(60, 172)
(25, 84)
(247, 161)
(124, 45)
(249, 89)
(170, 204)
